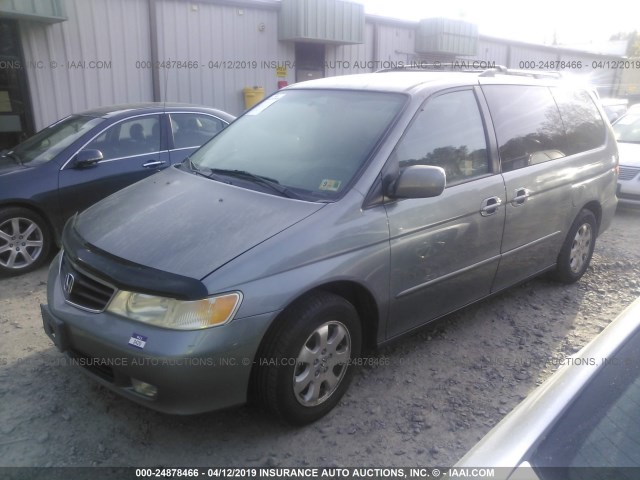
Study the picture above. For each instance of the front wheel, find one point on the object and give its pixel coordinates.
(25, 241)
(577, 249)
(307, 362)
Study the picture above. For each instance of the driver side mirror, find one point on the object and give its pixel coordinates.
(87, 158)
(418, 181)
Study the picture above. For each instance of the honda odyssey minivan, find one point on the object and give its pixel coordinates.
(335, 216)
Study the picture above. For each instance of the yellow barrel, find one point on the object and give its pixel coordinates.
(252, 95)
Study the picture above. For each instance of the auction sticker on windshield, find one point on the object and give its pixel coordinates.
(261, 107)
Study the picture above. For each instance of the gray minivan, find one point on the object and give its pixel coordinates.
(336, 215)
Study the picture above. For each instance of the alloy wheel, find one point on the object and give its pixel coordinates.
(321, 363)
(21, 243)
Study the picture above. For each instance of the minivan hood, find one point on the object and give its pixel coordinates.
(629, 154)
(184, 224)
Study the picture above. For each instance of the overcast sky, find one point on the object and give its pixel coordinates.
(573, 21)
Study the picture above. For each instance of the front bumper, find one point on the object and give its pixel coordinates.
(629, 189)
(193, 371)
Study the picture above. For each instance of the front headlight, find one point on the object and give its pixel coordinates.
(176, 314)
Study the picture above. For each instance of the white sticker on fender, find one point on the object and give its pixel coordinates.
(138, 341)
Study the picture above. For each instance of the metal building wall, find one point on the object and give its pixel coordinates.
(115, 32)
(231, 45)
(522, 56)
(396, 43)
(349, 59)
(386, 43)
(235, 45)
(492, 52)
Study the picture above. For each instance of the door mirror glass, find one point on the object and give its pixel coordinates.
(418, 181)
(87, 158)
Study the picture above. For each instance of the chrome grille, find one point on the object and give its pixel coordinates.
(627, 173)
(82, 289)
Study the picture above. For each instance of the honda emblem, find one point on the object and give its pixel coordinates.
(68, 283)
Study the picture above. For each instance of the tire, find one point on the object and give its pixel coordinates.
(25, 241)
(306, 362)
(577, 249)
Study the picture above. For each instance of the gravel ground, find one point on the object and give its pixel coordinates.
(434, 395)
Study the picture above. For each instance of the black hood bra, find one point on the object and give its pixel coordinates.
(127, 275)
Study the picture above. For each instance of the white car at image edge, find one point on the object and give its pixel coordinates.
(627, 132)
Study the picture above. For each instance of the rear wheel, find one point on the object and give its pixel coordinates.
(306, 365)
(25, 241)
(577, 249)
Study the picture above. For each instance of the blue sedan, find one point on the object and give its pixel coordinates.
(83, 158)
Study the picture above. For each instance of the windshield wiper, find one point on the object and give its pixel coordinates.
(272, 183)
(204, 172)
(13, 156)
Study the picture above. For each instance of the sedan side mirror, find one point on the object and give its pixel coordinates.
(87, 158)
(418, 181)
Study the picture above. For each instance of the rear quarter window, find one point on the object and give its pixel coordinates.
(585, 129)
(528, 125)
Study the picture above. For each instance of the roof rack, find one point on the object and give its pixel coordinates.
(501, 70)
(456, 66)
(418, 66)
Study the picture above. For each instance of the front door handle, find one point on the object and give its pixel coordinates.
(153, 163)
(520, 196)
(490, 206)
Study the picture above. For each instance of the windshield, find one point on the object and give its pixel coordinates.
(311, 143)
(47, 143)
(627, 129)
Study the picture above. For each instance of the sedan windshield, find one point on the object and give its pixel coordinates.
(601, 428)
(627, 129)
(309, 143)
(47, 143)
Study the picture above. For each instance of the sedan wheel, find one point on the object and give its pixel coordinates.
(24, 242)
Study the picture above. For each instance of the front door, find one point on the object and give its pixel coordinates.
(131, 151)
(445, 250)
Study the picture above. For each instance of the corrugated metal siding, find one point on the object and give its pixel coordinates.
(349, 59)
(240, 41)
(446, 37)
(492, 52)
(529, 57)
(326, 21)
(115, 31)
(522, 56)
(396, 44)
(231, 50)
(41, 10)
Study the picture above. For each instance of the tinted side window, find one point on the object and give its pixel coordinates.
(448, 133)
(527, 123)
(193, 129)
(136, 136)
(581, 118)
